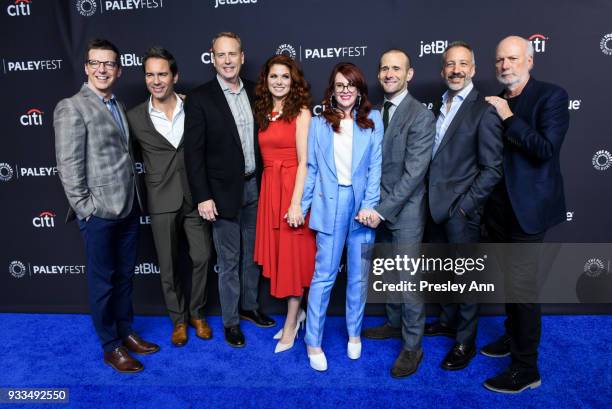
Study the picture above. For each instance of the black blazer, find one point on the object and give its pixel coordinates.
(165, 177)
(468, 162)
(533, 138)
(213, 151)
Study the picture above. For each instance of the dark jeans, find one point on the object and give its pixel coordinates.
(456, 230)
(523, 322)
(111, 249)
(234, 241)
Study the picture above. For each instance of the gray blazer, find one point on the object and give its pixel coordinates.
(94, 161)
(165, 177)
(406, 153)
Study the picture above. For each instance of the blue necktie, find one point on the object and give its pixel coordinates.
(111, 104)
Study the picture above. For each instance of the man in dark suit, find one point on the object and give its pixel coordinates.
(95, 166)
(157, 125)
(406, 152)
(466, 166)
(223, 165)
(527, 202)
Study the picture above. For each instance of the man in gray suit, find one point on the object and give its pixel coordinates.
(157, 126)
(95, 166)
(406, 152)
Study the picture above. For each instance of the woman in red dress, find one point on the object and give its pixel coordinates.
(284, 245)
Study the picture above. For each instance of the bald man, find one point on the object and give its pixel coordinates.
(527, 202)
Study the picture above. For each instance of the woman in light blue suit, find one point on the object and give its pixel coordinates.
(342, 187)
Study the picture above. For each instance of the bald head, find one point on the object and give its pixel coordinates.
(513, 61)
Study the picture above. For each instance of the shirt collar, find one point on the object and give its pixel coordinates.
(396, 100)
(226, 88)
(461, 95)
(177, 108)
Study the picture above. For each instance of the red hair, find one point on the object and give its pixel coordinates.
(298, 97)
(355, 77)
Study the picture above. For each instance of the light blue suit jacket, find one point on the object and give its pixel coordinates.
(321, 186)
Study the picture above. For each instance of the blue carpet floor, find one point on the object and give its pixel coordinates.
(61, 351)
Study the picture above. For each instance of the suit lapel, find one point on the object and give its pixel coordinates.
(148, 123)
(458, 118)
(100, 106)
(326, 144)
(221, 102)
(361, 139)
(398, 118)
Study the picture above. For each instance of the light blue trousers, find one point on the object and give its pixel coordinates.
(327, 262)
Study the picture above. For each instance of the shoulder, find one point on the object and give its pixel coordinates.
(549, 89)
(374, 115)
(138, 111)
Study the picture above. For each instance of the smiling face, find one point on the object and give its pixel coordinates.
(228, 58)
(159, 79)
(345, 93)
(279, 81)
(394, 73)
(102, 78)
(458, 68)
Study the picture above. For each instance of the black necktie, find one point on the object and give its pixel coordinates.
(386, 106)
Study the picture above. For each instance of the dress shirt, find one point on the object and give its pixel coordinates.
(445, 118)
(343, 152)
(396, 100)
(171, 129)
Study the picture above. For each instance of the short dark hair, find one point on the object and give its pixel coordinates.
(160, 52)
(462, 44)
(102, 44)
(397, 50)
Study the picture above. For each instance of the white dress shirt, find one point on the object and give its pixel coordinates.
(343, 152)
(172, 129)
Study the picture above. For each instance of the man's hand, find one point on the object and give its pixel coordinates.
(374, 220)
(501, 106)
(208, 210)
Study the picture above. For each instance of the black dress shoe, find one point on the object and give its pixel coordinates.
(514, 381)
(437, 328)
(384, 331)
(234, 336)
(406, 363)
(459, 357)
(498, 348)
(258, 318)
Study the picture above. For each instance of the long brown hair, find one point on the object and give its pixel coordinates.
(355, 77)
(298, 97)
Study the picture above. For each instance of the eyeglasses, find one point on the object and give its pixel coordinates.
(340, 87)
(108, 64)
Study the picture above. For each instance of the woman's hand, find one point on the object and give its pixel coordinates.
(294, 216)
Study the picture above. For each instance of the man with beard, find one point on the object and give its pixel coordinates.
(465, 167)
(527, 202)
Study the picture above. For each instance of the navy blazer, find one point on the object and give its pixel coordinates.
(467, 164)
(532, 143)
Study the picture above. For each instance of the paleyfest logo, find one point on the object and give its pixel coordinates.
(17, 269)
(286, 49)
(606, 44)
(88, 8)
(602, 160)
(6, 172)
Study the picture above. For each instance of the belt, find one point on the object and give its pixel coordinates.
(249, 176)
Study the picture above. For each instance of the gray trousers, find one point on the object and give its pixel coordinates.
(234, 241)
(166, 233)
(409, 316)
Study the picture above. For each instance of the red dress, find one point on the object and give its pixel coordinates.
(286, 254)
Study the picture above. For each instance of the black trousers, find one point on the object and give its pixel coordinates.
(523, 323)
(456, 230)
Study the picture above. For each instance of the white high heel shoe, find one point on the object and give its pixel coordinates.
(280, 347)
(300, 320)
(318, 362)
(353, 350)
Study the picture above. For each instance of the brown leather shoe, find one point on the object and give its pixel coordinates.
(179, 335)
(138, 345)
(202, 328)
(120, 360)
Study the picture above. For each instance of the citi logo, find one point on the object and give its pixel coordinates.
(434, 47)
(44, 219)
(20, 8)
(233, 2)
(6, 172)
(33, 117)
(130, 60)
(538, 41)
(206, 57)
